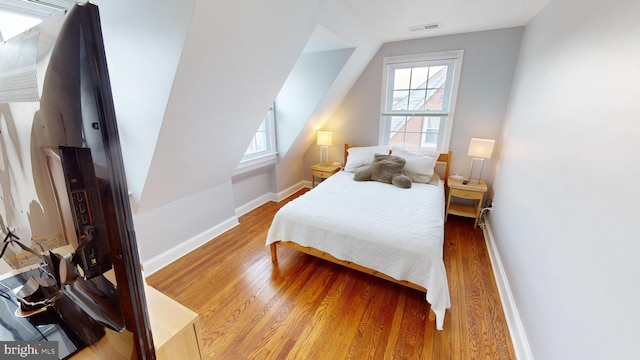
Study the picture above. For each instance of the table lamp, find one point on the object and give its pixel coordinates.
(479, 149)
(324, 140)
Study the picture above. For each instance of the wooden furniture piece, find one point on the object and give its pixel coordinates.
(175, 330)
(443, 159)
(323, 171)
(469, 191)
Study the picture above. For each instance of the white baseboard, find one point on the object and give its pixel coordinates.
(255, 203)
(516, 329)
(158, 262)
(173, 254)
(291, 190)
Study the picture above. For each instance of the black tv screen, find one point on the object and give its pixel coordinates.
(62, 179)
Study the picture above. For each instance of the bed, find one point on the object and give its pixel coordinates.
(383, 230)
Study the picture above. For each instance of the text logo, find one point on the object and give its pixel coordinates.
(31, 350)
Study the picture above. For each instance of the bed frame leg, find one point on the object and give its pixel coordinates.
(274, 253)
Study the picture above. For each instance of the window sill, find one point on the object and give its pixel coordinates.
(255, 163)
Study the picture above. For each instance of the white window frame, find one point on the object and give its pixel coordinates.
(266, 157)
(453, 57)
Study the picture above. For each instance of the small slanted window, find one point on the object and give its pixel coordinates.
(262, 148)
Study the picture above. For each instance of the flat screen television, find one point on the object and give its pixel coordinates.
(62, 179)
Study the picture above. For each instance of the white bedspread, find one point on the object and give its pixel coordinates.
(398, 232)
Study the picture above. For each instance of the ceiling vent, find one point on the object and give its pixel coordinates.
(432, 26)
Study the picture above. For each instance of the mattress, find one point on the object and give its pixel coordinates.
(398, 232)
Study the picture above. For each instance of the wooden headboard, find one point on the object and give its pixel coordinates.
(443, 159)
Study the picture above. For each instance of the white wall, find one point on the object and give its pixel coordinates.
(143, 43)
(306, 85)
(487, 71)
(190, 92)
(171, 231)
(345, 28)
(566, 220)
(252, 188)
(236, 57)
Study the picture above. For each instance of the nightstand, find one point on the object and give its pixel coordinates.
(323, 171)
(470, 191)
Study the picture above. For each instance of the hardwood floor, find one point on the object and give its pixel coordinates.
(306, 308)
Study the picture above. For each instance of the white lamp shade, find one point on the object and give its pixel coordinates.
(481, 148)
(324, 138)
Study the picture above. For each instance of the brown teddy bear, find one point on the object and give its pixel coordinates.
(387, 169)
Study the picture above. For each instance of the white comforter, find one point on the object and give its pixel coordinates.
(398, 232)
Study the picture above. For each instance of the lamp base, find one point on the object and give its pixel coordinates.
(326, 149)
(469, 179)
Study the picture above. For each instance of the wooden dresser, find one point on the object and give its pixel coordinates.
(175, 329)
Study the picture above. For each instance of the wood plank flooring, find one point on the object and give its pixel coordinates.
(305, 308)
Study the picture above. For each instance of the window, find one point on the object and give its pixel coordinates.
(419, 99)
(12, 24)
(18, 16)
(263, 144)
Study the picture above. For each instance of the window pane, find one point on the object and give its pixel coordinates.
(430, 141)
(397, 140)
(414, 124)
(435, 99)
(436, 88)
(397, 123)
(263, 142)
(396, 134)
(400, 100)
(12, 24)
(417, 100)
(433, 124)
(419, 88)
(420, 133)
(430, 133)
(259, 142)
(401, 79)
(251, 149)
(419, 77)
(435, 71)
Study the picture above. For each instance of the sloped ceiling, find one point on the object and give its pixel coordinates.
(143, 44)
(297, 101)
(235, 59)
(192, 79)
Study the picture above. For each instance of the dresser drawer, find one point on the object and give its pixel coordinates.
(467, 194)
(323, 174)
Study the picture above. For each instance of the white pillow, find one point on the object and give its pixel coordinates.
(424, 179)
(420, 165)
(417, 178)
(361, 156)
